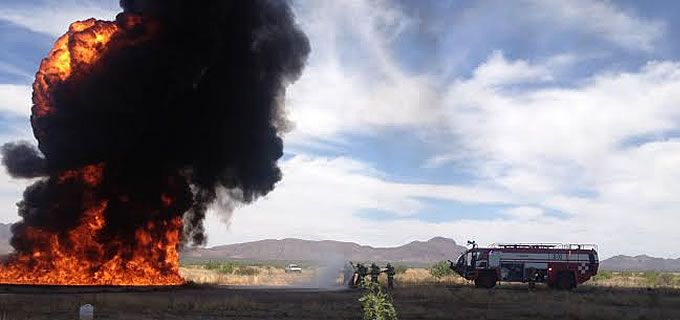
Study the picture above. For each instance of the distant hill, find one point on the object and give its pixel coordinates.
(640, 263)
(413, 253)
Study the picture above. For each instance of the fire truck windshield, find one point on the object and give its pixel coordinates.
(465, 259)
(461, 260)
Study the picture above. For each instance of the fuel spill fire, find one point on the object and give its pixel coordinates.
(139, 121)
(78, 258)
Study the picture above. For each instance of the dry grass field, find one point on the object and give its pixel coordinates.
(262, 276)
(270, 293)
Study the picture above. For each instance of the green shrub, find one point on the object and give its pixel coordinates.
(665, 279)
(211, 265)
(441, 269)
(603, 275)
(246, 271)
(376, 304)
(225, 268)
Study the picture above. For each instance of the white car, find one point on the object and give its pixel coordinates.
(293, 268)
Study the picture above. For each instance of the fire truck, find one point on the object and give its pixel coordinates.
(561, 266)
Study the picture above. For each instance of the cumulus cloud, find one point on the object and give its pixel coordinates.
(548, 128)
(10, 193)
(601, 152)
(320, 198)
(497, 70)
(534, 142)
(357, 83)
(15, 99)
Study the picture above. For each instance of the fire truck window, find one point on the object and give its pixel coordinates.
(469, 259)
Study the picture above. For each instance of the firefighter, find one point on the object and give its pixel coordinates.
(532, 277)
(389, 270)
(375, 272)
(362, 271)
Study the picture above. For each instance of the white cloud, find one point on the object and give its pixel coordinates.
(551, 128)
(338, 95)
(602, 19)
(525, 213)
(53, 17)
(355, 82)
(319, 198)
(603, 152)
(541, 143)
(10, 193)
(15, 99)
(498, 70)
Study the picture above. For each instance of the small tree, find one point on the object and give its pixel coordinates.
(441, 269)
(246, 271)
(376, 304)
(665, 279)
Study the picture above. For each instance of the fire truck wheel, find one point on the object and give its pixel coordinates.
(565, 281)
(486, 280)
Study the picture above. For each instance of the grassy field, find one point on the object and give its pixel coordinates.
(637, 279)
(258, 274)
(248, 291)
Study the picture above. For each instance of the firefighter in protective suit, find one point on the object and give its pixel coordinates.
(362, 271)
(389, 270)
(375, 273)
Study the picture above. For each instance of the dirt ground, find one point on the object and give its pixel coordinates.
(412, 302)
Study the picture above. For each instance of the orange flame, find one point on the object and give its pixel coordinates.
(80, 47)
(79, 259)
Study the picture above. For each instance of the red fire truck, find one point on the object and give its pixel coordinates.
(561, 266)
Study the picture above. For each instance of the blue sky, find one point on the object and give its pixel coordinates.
(495, 121)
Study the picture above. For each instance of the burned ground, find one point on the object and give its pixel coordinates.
(412, 302)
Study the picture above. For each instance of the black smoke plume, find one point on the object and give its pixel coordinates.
(22, 160)
(194, 106)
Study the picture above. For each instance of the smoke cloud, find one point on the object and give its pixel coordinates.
(178, 107)
(22, 160)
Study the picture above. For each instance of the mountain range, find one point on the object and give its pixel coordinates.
(640, 263)
(416, 253)
(413, 253)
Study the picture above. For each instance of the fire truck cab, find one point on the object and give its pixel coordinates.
(561, 266)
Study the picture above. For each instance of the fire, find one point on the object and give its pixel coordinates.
(140, 123)
(86, 254)
(79, 258)
(79, 48)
